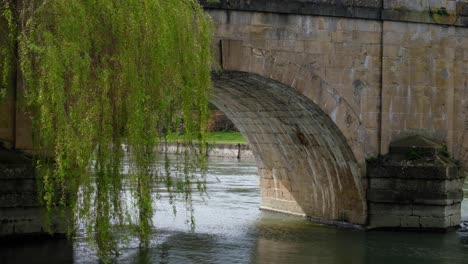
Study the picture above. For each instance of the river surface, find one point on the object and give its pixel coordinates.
(231, 229)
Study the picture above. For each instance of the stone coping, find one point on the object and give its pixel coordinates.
(385, 10)
(12, 157)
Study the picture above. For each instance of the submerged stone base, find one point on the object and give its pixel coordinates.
(20, 213)
(415, 186)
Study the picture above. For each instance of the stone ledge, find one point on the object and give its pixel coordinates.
(363, 9)
(15, 165)
(17, 172)
(420, 197)
(412, 222)
(28, 221)
(24, 199)
(414, 185)
(422, 145)
(413, 210)
(17, 185)
(413, 171)
(271, 209)
(369, 10)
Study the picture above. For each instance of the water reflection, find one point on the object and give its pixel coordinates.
(231, 229)
(281, 241)
(36, 252)
(290, 240)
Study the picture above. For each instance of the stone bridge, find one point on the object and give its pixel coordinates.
(318, 87)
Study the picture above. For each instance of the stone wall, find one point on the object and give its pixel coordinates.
(335, 62)
(425, 84)
(347, 65)
(378, 81)
(446, 12)
(20, 212)
(7, 105)
(7, 124)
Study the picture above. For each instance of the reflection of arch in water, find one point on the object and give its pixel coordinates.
(295, 241)
(185, 247)
(306, 166)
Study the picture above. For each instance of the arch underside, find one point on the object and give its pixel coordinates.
(304, 162)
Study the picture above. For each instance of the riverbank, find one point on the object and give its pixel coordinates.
(215, 149)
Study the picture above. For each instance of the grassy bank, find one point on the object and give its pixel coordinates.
(220, 137)
(225, 137)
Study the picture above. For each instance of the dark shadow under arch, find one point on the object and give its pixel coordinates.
(305, 164)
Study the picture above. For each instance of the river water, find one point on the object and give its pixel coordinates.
(231, 229)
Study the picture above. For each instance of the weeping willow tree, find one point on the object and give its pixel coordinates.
(107, 81)
(7, 47)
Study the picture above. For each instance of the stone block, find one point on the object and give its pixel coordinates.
(266, 183)
(410, 222)
(219, 17)
(376, 221)
(231, 50)
(16, 171)
(455, 219)
(22, 227)
(395, 170)
(416, 185)
(29, 221)
(436, 210)
(17, 186)
(23, 199)
(23, 131)
(390, 209)
(435, 222)
(417, 197)
(284, 206)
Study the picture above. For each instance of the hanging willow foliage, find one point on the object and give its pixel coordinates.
(7, 46)
(106, 81)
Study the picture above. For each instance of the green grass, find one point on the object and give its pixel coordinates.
(225, 137)
(219, 137)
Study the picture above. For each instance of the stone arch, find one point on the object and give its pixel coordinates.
(346, 95)
(305, 164)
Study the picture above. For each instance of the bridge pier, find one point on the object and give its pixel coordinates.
(21, 215)
(415, 186)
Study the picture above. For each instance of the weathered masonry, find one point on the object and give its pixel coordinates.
(416, 185)
(317, 87)
(20, 212)
(320, 86)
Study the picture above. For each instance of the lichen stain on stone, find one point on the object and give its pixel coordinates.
(301, 137)
(445, 73)
(358, 88)
(442, 15)
(349, 119)
(258, 52)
